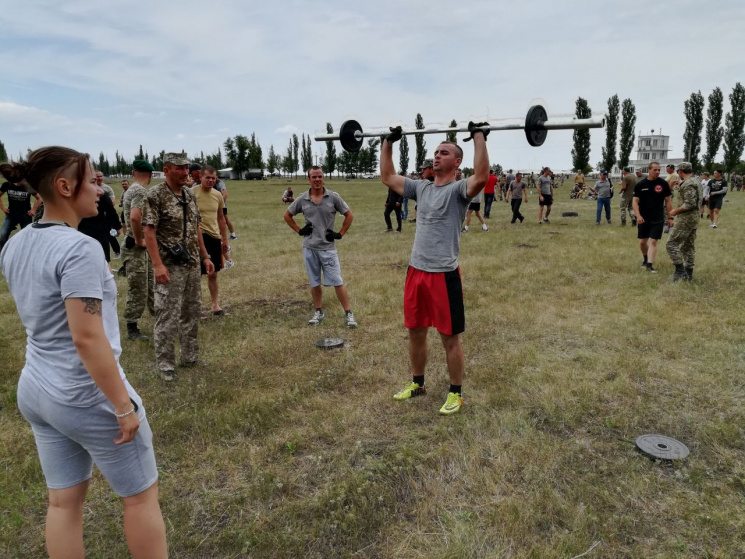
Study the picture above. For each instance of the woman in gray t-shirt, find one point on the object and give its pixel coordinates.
(72, 389)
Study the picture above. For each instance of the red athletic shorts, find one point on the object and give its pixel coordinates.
(434, 299)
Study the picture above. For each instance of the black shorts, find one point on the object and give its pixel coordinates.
(548, 200)
(214, 249)
(648, 230)
(715, 202)
(225, 210)
(475, 206)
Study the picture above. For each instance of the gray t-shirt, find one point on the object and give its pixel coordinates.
(517, 189)
(65, 264)
(439, 215)
(321, 215)
(603, 188)
(545, 184)
(220, 187)
(476, 199)
(108, 191)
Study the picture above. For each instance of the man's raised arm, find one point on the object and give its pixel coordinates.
(388, 175)
(477, 181)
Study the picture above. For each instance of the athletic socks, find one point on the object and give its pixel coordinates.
(419, 380)
(457, 388)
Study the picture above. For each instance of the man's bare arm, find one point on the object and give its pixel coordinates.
(477, 181)
(348, 217)
(388, 175)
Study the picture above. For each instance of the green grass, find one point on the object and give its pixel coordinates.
(572, 351)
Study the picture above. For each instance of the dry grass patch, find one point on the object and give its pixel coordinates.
(280, 450)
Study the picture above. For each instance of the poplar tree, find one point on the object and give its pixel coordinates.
(734, 140)
(714, 130)
(611, 134)
(329, 163)
(451, 136)
(421, 146)
(3, 153)
(403, 155)
(581, 149)
(628, 125)
(694, 115)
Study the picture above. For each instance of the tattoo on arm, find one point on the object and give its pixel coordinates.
(92, 306)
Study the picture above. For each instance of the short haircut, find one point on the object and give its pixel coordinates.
(706, 174)
(209, 169)
(314, 168)
(719, 171)
(649, 167)
(457, 147)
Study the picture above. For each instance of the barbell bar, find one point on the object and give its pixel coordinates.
(536, 127)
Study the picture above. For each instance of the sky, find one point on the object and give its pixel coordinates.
(107, 76)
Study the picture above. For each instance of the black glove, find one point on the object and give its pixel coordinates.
(306, 231)
(475, 128)
(394, 136)
(331, 236)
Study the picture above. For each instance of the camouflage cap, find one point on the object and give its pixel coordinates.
(427, 163)
(176, 158)
(685, 166)
(142, 166)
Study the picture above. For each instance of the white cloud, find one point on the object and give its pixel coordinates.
(256, 67)
(287, 129)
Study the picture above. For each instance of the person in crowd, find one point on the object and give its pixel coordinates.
(72, 389)
(174, 243)
(319, 206)
(433, 294)
(517, 194)
(18, 212)
(651, 203)
(603, 189)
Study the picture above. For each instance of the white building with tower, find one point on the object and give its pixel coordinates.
(653, 147)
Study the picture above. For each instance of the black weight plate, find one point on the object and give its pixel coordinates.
(569, 214)
(534, 132)
(347, 138)
(329, 343)
(660, 446)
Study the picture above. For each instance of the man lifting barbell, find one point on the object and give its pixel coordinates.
(433, 293)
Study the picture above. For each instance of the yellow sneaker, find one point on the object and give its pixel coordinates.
(412, 389)
(452, 404)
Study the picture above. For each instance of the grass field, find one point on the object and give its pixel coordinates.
(572, 351)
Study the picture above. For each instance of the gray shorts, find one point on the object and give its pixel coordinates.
(326, 260)
(70, 440)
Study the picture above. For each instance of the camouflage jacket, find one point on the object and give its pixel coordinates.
(163, 210)
(690, 195)
(134, 197)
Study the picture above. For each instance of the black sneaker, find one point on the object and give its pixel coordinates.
(137, 335)
(650, 268)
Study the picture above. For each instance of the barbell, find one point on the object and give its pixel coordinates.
(536, 127)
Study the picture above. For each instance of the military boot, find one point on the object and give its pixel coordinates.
(134, 333)
(689, 271)
(680, 273)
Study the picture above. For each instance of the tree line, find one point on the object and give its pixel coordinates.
(731, 135)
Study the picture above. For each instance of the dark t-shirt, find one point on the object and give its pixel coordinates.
(19, 199)
(652, 196)
(715, 186)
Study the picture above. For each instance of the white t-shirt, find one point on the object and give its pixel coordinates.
(44, 265)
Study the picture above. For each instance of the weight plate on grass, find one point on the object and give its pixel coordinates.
(660, 446)
(534, 131)
(569, 214)
(349, 141)
(329, 343)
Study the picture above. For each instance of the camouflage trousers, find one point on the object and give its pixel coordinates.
(681, 245)
(140, 282)
(177, 313)
(627, 204)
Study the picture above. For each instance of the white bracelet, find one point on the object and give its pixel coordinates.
(120, 415)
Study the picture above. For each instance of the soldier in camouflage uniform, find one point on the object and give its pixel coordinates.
(134, 253)
(174, 243)
(627, 195)
(681, 245)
